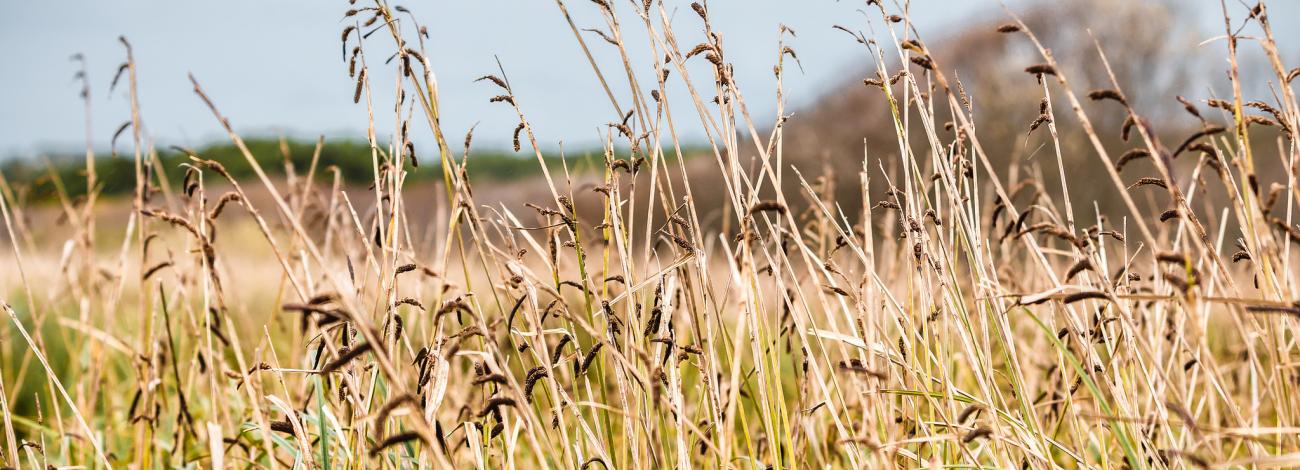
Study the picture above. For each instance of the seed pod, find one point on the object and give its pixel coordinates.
(345, 358)
(1203, 147)
(1189, 107)
(923, 62)
(352, 62)
(361, 80)
(1078, 267)
(1008, 28)
(1172, 257)
(393, 440)
(410, 301)
(591, 357)
(113, 142)
(498, 379)
(493, 404)
(1041, 69)
(1098, 95)
(117, 76)
(323, 299)
(682, 243)
(699, 10)
(1292, 311)
(1129, 122)
(767, 206)
(856, 366)
(535, 374)
(602, 35)
(455, 305)
(1084, 295)
(966, 413)
(1261, 120)
(977, 433)
(714, 59)
(155, 269)
(1291, 232)
(221, 204)
(856, 36)
(1265, 107)
(373, 19)
(494, 79)
(1133, 154)
(912, 45)
(283, 426)
(1205, 132)
(1149, 181)
(559, 349)
(1042, 119)
(347, 31)
(1221, 104)
(518, 129)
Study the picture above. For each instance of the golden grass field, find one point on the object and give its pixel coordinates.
(932, 305)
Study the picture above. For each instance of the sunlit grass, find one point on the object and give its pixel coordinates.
(293, 318)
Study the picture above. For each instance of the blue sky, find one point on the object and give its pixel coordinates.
(274, 67)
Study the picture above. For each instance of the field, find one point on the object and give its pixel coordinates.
(1124, 296)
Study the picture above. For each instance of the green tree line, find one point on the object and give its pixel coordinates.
(35, 177)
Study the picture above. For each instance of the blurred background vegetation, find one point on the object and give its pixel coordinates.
(1158, 51)
(35, 178)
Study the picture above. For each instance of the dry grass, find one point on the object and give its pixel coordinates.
(968, 319)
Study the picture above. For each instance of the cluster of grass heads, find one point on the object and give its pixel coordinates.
(966, 320)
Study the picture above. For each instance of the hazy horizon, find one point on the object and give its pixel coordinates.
(281, 73)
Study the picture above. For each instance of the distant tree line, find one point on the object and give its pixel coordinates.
(35, 178)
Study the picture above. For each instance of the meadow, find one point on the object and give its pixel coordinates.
(915, 302)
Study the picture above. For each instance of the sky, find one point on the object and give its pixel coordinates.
(274, 67)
